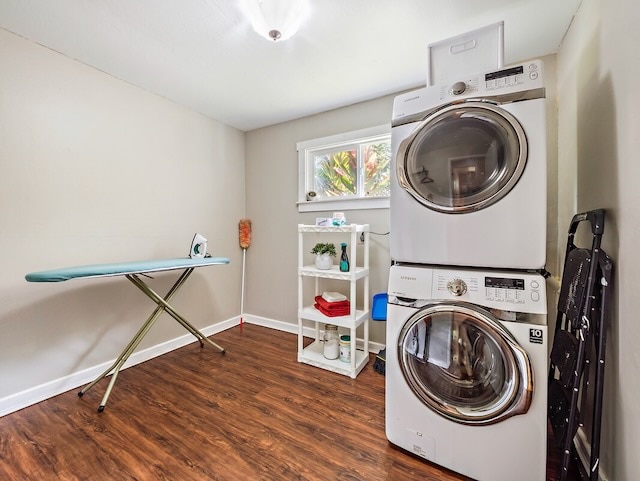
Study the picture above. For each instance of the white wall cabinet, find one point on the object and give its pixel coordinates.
(309, 316)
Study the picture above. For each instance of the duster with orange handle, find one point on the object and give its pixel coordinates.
(244, 231)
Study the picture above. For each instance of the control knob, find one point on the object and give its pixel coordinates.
(458, 88)
(457, 287)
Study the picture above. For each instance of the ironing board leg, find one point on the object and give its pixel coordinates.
(135, 341)
(162, 304)
(122, 358)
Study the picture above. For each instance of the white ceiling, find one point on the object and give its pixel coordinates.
(203, 53)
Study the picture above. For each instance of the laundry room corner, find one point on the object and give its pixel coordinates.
(556, 231)
(271, 180)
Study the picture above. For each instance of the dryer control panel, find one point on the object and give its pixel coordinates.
(518, 82)
(527, 76)
(512, 76)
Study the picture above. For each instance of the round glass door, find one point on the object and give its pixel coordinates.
(463, 364)
(463, 157)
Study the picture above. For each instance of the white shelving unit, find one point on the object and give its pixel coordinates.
(309, 315)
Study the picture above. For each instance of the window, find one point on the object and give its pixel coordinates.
(345, 171)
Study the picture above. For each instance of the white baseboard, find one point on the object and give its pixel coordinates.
(374, 347)
(270, 323)
(28, 397)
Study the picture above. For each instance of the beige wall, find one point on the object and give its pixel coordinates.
(272, 173)
(599, 126)
(95, 170)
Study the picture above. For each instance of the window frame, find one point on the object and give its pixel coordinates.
(356, 137)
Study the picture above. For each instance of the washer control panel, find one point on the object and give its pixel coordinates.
(416, 286)
(505, 289)
(522, 292)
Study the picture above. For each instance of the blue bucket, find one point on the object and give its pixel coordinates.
(379, 307)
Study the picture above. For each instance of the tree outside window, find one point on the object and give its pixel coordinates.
(361, 171)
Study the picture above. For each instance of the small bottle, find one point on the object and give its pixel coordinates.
(344, 259)
(331, 348)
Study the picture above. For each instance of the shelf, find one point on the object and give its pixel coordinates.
(312, 354)
(357, 237)
(330, 228)
(310, 313)
(334, 273)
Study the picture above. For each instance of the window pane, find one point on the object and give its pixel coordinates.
(345, 170)
(335, 173)
(377, 159)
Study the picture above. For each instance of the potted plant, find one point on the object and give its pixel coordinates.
(324, 253)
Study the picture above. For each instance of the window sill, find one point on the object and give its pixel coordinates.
(342, 204)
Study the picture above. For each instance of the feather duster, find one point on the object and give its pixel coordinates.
(245, 233)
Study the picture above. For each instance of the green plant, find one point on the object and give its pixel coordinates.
(336, 173)
(324, 248)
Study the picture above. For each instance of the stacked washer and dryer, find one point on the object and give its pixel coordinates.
(467, 355)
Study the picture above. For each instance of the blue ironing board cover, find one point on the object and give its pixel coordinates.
(123, 268)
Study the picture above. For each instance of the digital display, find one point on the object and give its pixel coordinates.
(504, 73)
(503, 283)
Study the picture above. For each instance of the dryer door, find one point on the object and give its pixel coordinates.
(463, 157)
(463, 364)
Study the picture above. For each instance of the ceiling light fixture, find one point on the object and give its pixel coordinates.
(276, 20)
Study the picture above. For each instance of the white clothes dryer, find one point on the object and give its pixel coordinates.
(469, 173)
(466, 370)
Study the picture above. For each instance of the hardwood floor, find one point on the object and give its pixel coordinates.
(254, 413)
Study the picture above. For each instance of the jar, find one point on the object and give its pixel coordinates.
(345, 348)
(338, 219)
(331, 342)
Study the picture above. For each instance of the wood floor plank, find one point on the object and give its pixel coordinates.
(254, 413)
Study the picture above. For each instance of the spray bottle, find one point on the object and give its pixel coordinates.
(344, 259)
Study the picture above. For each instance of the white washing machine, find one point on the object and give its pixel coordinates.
(469, 174)
(466, 370)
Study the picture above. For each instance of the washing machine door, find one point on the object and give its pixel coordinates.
(464, 365)
(463, 157)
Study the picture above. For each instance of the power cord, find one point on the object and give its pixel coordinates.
(374, 233)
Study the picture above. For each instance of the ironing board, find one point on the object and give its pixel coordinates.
(133, 271)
